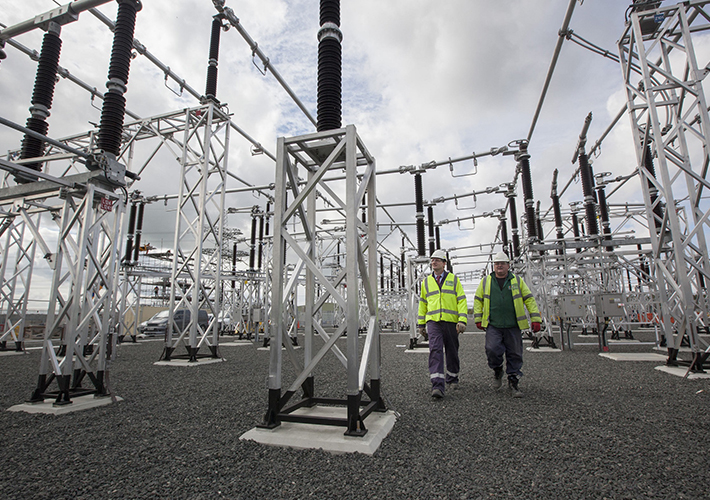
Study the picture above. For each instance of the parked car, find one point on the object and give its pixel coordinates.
(158, 324)
(224, 322)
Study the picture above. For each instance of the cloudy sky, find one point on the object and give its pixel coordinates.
(424, 80)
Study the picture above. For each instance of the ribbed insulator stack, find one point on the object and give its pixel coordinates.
(514, 224)
(252, 244)
(524, 159)
(419, 200)
(504, 233)
(42, 98)
(575, 229)
(261, 241)
(538, 226)
(211, 86)
(382, 272)
(430, 223)
(329, 67)
(114, 107)
(604, 215)
(130, 233)
(139, 231)
(652, 191)
(585, 172)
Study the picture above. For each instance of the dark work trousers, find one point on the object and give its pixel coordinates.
(443, 338)
(508, 342)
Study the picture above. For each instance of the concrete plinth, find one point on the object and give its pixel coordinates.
(633, 356)
(680, 371)
(186, 363)
(78, 403)
(326, 437)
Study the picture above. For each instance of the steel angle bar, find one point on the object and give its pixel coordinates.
(313, 182)
(314, 269)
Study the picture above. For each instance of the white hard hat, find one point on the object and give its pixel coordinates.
(501, 257)
(439, 254)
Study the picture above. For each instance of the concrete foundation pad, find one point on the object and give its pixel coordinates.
(633, 356)
(186, 363)
(15, 353)
(78, 403)
(236, 343)
(424, 350)
(680, 371)
(296, 347)
(326, 437)
(543, 349)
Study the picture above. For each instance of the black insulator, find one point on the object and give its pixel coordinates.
(382, 272)
(528, 196)
(652, 191)
(330, 12)
(421, 246)
(266, 214)
(130, 233)
(114, 106)
(401, 268)
(584, 173)
(575, 228)
(438, 237)
(261, 240)
(32, 147)
(337, 254)
(139, 232)
(234, 265)
(42, 97)
(123, 40)
(538, 226)
(111, 124)
(252, 252)
(557, 211)
(514, 226)
(391, 280)
(419, 200)
(418, 193)
(211, 87)
(590, 209)
(604, 215)
(363, 216)
(530, 219)
(504, 232)
(47, 70)
(329, 84)
(526, 177)
(430, 220)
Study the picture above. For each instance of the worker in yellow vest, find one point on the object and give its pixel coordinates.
(499, 309)
(442, 316)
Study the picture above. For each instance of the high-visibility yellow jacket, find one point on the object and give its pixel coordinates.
(445, 304)
(522, 298)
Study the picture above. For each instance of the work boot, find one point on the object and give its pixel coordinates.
(437, 394)
(498, 378)
(454, 386)
(513, 386)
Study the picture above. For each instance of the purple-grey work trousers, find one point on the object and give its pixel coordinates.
(508, 342)
(443, 339)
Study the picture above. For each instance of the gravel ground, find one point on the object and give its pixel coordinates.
(588, 427)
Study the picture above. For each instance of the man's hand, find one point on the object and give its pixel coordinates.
(422, 332)
(460, 327)
(479, 326)
(536, 327)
